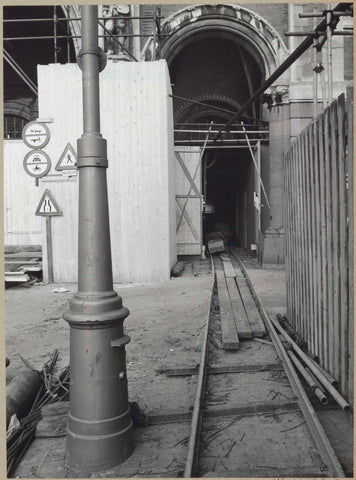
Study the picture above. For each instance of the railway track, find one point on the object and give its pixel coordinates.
(252, 416)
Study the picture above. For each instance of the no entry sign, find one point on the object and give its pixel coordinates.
(35, 135)
(37, 163)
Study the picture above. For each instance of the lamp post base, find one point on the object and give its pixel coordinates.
(88, 454)
(99, 432)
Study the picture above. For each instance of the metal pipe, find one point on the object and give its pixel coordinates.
(68, 19)
(99, 433)
(322, 80)
(315, 75)
(329, 54)
(219, 147)
(315, 389)
(20, 72)
(55, 47)
(117, 41)
(279, 71)
(256, 167)
(308, 361)
(227, 140)
(326, 374)
(213, 107)
(154, 34)
(316, 15)
(311, 15)
(177, 130)
(50, 37)
(68, 44)
(20, 69)
(343, 33)
(303, 34)
(315, 380)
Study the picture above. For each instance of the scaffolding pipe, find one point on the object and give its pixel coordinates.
(329, 53)
(20, 72)
(309, 363)
(55, 46)
(318, 392)
(67, 19)
(50, 37)
(280, 70)
(213, 107)
(99, 432)
(256, 167)
(315, 75)
(117, 41)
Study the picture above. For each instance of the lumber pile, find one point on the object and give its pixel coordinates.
(239, 315)
(22, 265)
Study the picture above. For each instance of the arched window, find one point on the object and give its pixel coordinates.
(13, 125)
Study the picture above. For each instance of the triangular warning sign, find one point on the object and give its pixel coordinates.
(68, 159)
(48, 206)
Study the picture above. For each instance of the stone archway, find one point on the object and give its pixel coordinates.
(251, 31)
(228, 51)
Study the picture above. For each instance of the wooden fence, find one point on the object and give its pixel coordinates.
(319, 239)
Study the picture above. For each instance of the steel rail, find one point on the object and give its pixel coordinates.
(191, 463)
(318, 434)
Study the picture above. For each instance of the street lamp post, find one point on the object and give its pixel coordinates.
(99, 433)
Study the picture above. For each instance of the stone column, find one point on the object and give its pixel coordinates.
(279, 135)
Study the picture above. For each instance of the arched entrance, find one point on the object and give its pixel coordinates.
(218, 55)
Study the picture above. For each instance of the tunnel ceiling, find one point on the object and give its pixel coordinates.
(216, 71)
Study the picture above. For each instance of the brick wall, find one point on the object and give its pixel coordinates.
(275, 14)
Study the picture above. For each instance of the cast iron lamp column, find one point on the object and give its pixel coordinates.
(99, 424)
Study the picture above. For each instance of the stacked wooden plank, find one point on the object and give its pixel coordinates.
(239, 315)
(19, 265)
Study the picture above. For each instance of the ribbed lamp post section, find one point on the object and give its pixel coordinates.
(99, 425)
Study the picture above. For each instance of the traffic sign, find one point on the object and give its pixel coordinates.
(68, 159)
(37, 163)
(48, 207)
(35, 135)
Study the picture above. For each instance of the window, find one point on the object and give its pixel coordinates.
(13, 126)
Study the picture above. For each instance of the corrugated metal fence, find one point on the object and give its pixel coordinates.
(319, 239)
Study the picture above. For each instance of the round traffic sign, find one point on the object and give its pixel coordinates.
(35, 135)
(37, 163)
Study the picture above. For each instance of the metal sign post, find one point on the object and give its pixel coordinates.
(48, 208)
(99, 424)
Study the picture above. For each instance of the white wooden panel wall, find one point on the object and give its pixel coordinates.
(188, 210)
(137, 121)
(21, 197)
